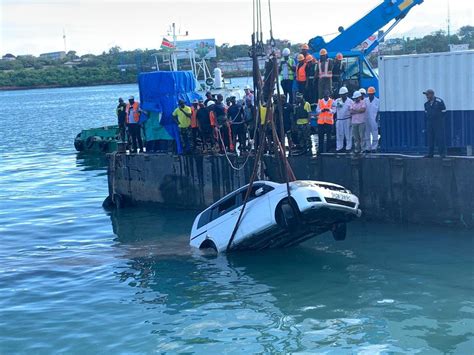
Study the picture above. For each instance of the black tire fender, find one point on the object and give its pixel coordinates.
(90, 141)
(78, 144)
(104, 146)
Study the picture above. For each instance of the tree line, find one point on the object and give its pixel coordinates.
(116, 66)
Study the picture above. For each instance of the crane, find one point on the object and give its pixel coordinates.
(348, 40)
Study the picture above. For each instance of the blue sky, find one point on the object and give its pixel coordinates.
(36, 26)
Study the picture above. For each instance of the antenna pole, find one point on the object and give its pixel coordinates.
(64, 39)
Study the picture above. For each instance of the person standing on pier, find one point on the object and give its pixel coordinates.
(133, 124)
(435, 112)
(287, 74)
(121, 118)
(194, 123)
(325, 111)
(325, 66)
(343, 121)
(182, 115)
(371, 126)
(358, 121)
(302, 132)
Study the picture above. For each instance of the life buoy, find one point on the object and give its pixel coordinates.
(209, 81)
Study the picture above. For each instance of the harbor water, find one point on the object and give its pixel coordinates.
(75, 278)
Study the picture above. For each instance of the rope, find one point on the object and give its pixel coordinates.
(227, 155)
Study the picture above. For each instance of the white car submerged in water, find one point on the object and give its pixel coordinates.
(271, 219)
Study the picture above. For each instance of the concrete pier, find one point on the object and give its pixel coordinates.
(391, 188)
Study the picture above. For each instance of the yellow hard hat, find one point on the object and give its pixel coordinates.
(371, 90)
(300, 57)
(304, 46)
(323, 51)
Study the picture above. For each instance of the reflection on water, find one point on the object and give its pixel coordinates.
(323, 294)
(77, 279)
(91, 161)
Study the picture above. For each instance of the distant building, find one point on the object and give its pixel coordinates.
(53, 55)
(8, 57)
(239, 64)
(458, 47)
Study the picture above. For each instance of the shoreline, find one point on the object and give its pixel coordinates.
(19, 88)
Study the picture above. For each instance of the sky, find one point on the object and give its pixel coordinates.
(94, 26)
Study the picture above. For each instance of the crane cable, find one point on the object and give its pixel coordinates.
(272, 78)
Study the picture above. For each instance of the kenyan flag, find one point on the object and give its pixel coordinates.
(165, 44)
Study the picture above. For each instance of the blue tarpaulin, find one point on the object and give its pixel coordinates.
(160, 92)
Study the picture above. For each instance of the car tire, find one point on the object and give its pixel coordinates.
(339, 231)
(287, 215)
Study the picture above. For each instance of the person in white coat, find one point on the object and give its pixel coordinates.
(343, 121)
(371, 129)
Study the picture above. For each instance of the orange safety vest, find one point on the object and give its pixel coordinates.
(193, 117)
(325, 117)
(212, 118)
(136, 113)
(301, 72)
(324, 73)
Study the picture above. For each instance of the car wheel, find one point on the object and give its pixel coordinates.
(339, 231)
(287, 215)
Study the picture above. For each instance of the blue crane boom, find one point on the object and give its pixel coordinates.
(380, 16)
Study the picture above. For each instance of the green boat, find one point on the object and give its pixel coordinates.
(98, 140)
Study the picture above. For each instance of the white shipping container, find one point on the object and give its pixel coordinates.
(402, 80)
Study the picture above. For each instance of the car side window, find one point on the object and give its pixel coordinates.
(205, 218)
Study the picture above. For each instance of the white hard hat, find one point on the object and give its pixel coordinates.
(247, 87)
(131, 97)
(286, 52)
(362, 91)
(210, 103)
(356, 94)
(343, 90)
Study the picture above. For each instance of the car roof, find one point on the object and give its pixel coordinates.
(240, 189)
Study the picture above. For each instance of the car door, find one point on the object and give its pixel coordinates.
(257, 215)
(224, 217)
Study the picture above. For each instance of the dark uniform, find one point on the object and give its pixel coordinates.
(435, 111)
(121, 117)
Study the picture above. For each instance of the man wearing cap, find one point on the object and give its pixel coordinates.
(325, 66)
(287, 74)
(358, 121)
(182, 116)
(343, 121)
(249, 96)
(236, 116)
(302, 132)
(121, 117)
(371, 125)
(435, 112)
(133, 124)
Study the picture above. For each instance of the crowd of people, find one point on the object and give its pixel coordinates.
(315, 102)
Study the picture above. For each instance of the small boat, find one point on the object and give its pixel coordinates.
(271, 219)
(99, 140)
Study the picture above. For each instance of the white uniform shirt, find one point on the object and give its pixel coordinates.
(372, 108)
(343, 109)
